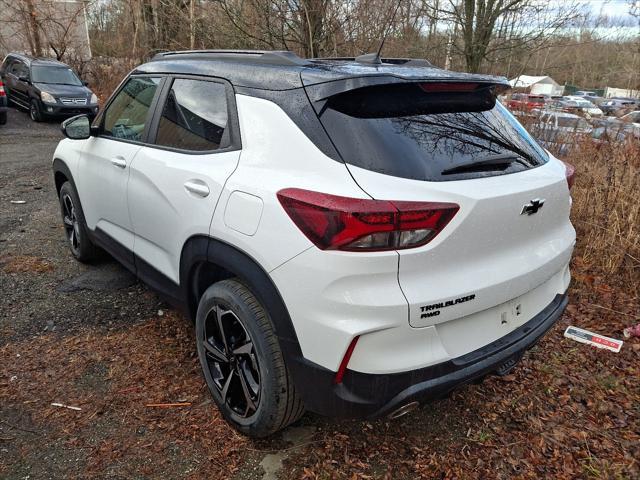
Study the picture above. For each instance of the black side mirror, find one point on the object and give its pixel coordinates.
(77, 128)
(22, 78)
(85, 83)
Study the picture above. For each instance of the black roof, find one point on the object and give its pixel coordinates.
(282, 70)
(29, 60)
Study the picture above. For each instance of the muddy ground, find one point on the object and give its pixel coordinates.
(93, 338)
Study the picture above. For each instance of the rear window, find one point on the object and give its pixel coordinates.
(425, 133)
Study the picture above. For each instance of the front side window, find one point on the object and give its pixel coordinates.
(194, 116)
(19, 69)
(55, 75)
(127, 115)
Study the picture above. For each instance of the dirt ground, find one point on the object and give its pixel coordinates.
(93, 338)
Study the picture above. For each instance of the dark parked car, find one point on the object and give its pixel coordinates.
(46, 87)
(3, 104)
(618, 106)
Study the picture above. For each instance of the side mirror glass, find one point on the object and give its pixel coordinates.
(77, 128)
(85, 83)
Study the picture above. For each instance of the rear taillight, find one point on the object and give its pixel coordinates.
(2, 92)
(570, 173)
(353, 224)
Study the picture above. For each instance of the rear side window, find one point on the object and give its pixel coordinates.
(429, 132)
(127, 115)
(194, 116)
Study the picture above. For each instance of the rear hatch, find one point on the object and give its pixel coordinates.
(504, 256)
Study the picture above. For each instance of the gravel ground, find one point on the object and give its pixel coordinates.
(61, 295)
(56, 319)
(92, 337)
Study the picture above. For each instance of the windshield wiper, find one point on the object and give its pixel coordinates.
(500, 161)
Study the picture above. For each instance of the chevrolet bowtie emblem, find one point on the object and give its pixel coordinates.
(532, 207)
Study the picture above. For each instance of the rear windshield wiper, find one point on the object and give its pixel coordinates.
(500, 161)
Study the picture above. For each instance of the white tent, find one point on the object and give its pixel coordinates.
(537, 85)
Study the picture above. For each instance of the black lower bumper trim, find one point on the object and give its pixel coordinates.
(57, 111)
(363, 395)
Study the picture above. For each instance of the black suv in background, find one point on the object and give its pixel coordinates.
(46, 87)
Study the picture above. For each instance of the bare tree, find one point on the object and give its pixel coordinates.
(44, 27)
(491, 27)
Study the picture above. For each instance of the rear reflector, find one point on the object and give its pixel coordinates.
(345, 360)
(354, 224)
(570, 173)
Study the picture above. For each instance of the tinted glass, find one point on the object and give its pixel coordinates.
(19, 69)
(194, 116)
(57, 75)
(126, 115)
(428, 136)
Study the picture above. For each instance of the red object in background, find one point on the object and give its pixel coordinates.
(526, 102)
(2, 92)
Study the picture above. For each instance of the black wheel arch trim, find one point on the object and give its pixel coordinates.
(59, 166)
(201, 250)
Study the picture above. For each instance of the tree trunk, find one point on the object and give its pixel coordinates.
(34, 29)
(192, 25)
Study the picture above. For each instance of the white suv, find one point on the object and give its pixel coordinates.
(350, 237)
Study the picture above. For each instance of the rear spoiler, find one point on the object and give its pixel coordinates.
(322, 91)
(376, 97)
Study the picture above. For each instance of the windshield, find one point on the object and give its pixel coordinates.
(57, 75)
(405, 132)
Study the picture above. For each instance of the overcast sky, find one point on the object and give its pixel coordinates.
(613, 8)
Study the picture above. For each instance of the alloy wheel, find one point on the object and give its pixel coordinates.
(70, 220)
(232, 361)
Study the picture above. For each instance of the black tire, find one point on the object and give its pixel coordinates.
(3, 118)
(247, 364)
(75, 227)
(34, 111)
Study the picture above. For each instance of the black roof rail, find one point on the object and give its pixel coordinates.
(282, 57)
(369, 59)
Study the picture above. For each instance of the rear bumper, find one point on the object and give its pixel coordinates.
(363, 395)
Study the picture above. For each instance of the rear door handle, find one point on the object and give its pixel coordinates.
(119, 162)
(197, 187)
